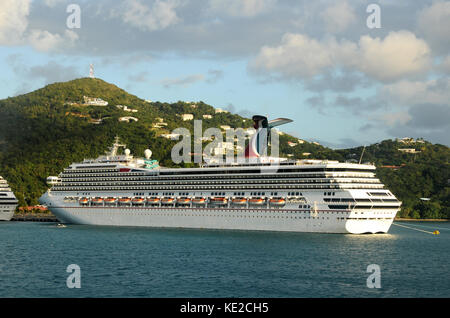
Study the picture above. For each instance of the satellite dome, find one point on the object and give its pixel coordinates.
(127, 152)
(147, 153)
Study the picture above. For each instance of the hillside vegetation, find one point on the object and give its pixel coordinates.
(46, 130)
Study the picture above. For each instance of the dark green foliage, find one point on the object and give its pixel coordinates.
(43, 131)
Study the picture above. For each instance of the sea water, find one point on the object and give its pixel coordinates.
(149, 262)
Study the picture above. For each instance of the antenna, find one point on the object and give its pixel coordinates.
(362, 153)
(91, 71)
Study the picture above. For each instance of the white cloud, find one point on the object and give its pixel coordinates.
(158, 16)
(297, 56)
(13, 20)
(436, 91)
(45, 41)
(338, 17)
(240, 8)
(400, 54)
(434, 23)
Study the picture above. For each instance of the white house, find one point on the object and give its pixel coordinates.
(220, 110)
(408, 150)
(128, 119)
(171, 136)
(93, 101)
(186, 117)
(207, 116)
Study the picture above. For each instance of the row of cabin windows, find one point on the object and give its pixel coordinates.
(328, 193)
(218, 193)
(257, 193)
(295, 193)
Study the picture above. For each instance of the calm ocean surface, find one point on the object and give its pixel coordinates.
(144, 262)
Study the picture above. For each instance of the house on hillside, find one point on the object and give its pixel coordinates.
(128, 119)
(171, 136)
(93, 101)
(408, 150)
(187, 117)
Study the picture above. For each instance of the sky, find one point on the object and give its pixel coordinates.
(348, 73)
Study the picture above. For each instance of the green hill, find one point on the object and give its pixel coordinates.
(46, 130)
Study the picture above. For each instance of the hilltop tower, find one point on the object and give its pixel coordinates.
(91, 71)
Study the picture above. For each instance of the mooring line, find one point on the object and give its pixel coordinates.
(429, 227)
(413, 228)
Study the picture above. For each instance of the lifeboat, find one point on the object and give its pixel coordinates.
(256, 201)
(124, 201)
(110, 200)
(183, 201)
(167, 200)
(84, 201)
(239, 201)
(138, 201)
(97, 201)
(277, 202)
(218, 201)
(198, 201)
(153, 201)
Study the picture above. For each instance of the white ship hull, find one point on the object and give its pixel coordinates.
(7, 213)
(288, 220)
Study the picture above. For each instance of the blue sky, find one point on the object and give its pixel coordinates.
(317, 62)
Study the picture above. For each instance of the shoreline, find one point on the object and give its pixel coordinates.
(424, 220)
(34, 217)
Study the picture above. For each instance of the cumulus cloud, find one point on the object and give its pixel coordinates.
(400, 54)
(239, 8)
(338, 17)
(435, 91)
(13, 20)
(159, 15)
(297, 56)
(434, 23)
(45, 41)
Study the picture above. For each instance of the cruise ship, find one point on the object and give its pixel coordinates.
(8, 201)
(294, 195)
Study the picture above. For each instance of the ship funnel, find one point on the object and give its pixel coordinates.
(258, 143)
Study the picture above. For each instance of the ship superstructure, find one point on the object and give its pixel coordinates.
(299, 196)
(8, 201)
